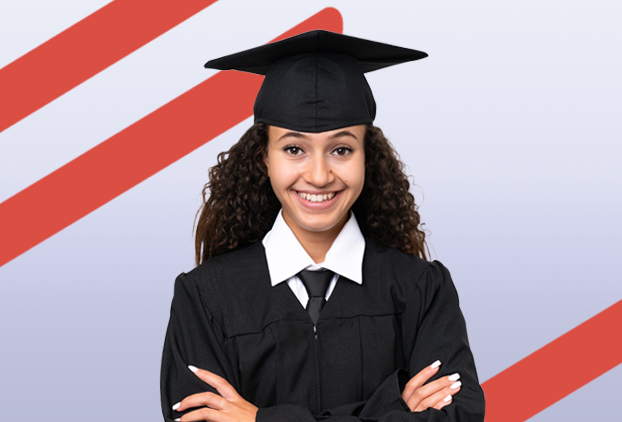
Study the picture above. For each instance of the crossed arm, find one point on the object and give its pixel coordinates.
(229, 406)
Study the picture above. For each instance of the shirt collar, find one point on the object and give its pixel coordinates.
(286, 257)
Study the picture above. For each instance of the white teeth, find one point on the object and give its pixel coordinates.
(316, 198)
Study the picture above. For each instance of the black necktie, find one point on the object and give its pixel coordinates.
(316, 283)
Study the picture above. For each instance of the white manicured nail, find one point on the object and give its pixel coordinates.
(446, 399)
(454, 377)
(455, 385)
(177, 420)
(193, 368)
(176, 406)
(435, 364)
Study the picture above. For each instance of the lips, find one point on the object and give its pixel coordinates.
(317, 198)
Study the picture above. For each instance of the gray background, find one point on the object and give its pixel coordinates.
(511, 129)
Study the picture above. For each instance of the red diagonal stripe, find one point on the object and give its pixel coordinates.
(556, 370)
(134, 154)
(85, 49)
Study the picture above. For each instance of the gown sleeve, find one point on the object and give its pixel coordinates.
(432, 328)
(193, 337)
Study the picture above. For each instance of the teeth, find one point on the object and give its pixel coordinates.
(316, 198)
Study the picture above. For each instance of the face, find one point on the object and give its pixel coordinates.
(316, 176)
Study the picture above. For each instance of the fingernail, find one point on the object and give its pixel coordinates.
(176, 406)
(454, 377)
(177, 420)
(447, 399)
(435, 364)
(455, 385)
(193, 368)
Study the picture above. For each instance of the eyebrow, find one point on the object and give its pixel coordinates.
(292, 135)
(343, 133)
(298, 135)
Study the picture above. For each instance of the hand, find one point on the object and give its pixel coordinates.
(229, 406)
(436, 394)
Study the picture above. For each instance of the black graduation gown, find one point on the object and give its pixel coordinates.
(371, 338)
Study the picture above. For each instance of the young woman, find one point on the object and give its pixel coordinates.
(312, 298)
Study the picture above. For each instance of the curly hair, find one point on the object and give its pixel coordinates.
(239, 205)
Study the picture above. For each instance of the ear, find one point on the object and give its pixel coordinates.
(266, 161)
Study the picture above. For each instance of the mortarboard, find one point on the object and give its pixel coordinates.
(314, 81)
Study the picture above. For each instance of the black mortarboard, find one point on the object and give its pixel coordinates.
(314, 81)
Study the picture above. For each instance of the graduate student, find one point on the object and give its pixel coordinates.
(312, 298)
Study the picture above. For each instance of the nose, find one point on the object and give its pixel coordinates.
(319, 172)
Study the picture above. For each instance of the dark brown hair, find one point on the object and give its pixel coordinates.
(239, 206)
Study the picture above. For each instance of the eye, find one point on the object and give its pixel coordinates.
(293, 150)
(342, 151)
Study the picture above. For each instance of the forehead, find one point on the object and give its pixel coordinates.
(277, 134)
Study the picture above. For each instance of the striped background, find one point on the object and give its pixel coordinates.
(108, 124)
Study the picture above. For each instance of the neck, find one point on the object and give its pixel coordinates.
(316, 244)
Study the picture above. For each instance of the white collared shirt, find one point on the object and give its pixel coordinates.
(286, 257)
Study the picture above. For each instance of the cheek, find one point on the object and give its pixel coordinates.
(355, 176)
(282, 176)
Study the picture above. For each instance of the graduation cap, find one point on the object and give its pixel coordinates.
(314, 81)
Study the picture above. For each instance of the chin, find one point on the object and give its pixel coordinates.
(318, 224)
(317, 228)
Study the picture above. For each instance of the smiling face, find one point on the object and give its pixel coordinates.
(316, 176)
